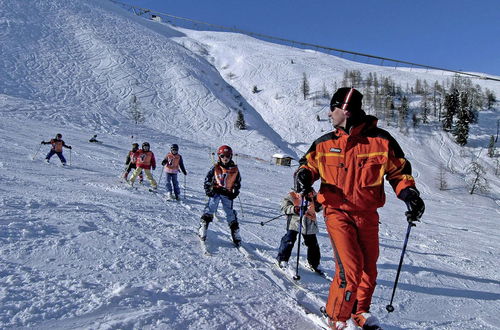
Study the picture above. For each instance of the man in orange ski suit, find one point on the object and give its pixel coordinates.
(351, 163)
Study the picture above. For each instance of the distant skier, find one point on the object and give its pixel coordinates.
(145, 161)
(130, 162)
(57, 148)
(93, 139)
(222, 184)
(291, 207)
(172, 163)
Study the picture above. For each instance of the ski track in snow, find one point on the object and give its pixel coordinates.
(81, 250)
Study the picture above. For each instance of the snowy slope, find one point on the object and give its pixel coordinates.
(79, 249)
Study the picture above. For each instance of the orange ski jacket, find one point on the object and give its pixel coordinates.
(352, 166)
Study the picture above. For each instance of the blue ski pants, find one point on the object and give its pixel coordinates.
(59, 154)
(172, 180)
(227, 206)
(288, 241)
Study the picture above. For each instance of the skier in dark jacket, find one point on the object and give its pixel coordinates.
(222, 184)
(130, 162)
(57, 148)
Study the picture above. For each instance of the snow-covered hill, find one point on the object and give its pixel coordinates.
(79, 249)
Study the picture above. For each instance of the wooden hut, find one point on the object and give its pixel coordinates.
(281, 159)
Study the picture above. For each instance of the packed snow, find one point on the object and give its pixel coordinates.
(81, 249)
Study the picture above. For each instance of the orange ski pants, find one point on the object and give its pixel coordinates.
(354, 237)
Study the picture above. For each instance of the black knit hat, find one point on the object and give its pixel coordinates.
(347, 99)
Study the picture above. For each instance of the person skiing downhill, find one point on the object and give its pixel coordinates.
(93, 139)
(145, 160)
(351, 163)
(222, 184)
(172, 163)
(57, 148)
(291, 207)
(130, 162)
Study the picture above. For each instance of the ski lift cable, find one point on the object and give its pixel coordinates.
(306, 44)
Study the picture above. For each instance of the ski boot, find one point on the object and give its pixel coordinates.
(366, 321)
(282, 264)
(235, 232)
(202, 229)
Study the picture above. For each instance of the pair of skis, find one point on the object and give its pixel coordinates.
(204, 247)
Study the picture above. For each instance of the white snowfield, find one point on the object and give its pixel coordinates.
(81, 250)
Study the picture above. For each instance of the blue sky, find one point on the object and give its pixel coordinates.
(457, 35)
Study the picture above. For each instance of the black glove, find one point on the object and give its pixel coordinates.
(164, 162)
(414, 203)
(303, 181)
(43, 142)
(317, 205)
(233, 195)
(185, 173)
(154, 168)
(210, 193)
(69, 147)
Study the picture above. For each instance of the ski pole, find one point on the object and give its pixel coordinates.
(184, 186)
(241, 207)
(411, 223)
(69, 157)
(303, 206)
(159, 180)
(264, 222)
(36, 153)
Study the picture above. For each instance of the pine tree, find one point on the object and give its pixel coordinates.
(403, 113)
(490, 99)
(325, 92)
(443, 184)
(491, 147)
(305, 86)
(424, 105)
(240, 121)
(461, 129)
(415, 120)
(135, 110)
(345, 79)
(475, 178)
(451, 104)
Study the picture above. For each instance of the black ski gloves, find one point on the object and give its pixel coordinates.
(221, 191)
(414, 203)
(164, 162)
(303, 181)
(233, 195)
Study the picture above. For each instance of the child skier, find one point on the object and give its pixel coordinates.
(130, 162)
(145, 160)
(291, 207)
(222, 184)
(172, 163)
(57, 145)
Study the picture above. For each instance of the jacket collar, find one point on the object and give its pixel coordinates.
(366, 122)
